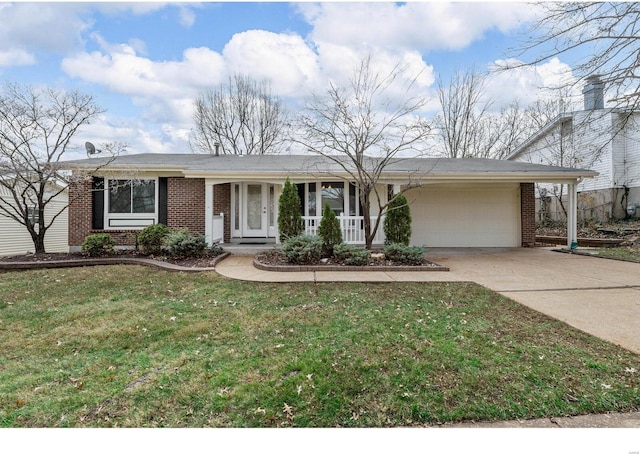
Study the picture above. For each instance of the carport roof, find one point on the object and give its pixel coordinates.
(235, 167)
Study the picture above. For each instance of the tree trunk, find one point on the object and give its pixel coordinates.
(38, 238)
(366, 214)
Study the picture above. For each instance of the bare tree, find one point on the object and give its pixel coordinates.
(461, 112)
(36, 129)
(466, 125)
(363, 130)
(239, 117)
(512, 127)
(596, 38)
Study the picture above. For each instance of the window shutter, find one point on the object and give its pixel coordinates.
(97, 203)
(162, 200)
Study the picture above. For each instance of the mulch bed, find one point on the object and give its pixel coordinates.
(201, 261)
(276, 261)
(621, 230)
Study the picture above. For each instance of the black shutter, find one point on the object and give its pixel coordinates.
(303, 200)
(97, 203)
(162, 200)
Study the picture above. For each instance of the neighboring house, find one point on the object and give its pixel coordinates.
(15, 239)
(230, 198)
(604, 140)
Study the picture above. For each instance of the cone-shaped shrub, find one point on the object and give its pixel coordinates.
(290, 222)
(329, 230)
(397, 223)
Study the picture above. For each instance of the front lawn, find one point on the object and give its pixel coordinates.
(132, 346)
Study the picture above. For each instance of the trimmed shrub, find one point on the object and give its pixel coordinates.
(98, 244)
(397, 223)
(182, 243)
(351, 255)
(329, 230)
(290, 222)
(302, 249)
(405, 255)
(152, 238)
(216, 249)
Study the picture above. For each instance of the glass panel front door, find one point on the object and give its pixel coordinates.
(255, 210)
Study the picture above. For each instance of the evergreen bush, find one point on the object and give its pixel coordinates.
(290, 222)
(302, 249)
(182, 243)
(397, 223)
(98, 244)
(351, 255)
(152, 238)
(329, 230)
(405, 255)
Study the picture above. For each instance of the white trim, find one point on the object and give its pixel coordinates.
(137, 221)
(208, 211)
(127, 223)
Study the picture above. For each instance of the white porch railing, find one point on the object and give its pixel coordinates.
(352, 228)
(217, 235)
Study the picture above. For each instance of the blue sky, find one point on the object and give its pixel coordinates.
(146, 62)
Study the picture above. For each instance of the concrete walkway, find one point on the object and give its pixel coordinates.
(598, 296)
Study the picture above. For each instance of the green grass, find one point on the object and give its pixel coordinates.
(629, 254)
(128, 346)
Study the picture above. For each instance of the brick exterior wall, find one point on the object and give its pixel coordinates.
(186, 204)
(222, 204)
(79, 211)
(528, 214)
(185, 208)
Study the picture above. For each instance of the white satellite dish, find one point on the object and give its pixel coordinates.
(91, 149)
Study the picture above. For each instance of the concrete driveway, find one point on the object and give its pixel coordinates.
(598, 296)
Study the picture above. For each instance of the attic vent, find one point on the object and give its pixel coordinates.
(593, 93)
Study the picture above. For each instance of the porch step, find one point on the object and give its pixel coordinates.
(247, 249)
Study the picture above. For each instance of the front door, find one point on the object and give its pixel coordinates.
(256, 221)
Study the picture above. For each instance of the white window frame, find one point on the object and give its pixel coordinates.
(129, 221)
(318, 197)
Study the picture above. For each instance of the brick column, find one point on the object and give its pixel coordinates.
(80, 213)
(528, 214)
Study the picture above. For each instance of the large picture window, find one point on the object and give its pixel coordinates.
(127, 196)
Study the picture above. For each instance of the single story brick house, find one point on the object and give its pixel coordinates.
(234, 199)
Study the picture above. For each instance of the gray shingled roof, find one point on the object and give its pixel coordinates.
(270, 165)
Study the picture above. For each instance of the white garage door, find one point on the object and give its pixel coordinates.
(467, 216)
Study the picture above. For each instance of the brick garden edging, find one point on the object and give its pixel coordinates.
(107, 261)
(293, 268)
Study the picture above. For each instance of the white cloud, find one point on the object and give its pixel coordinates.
(284, 59)
(186, 16)
(119, 68)
(164, 91)
(58, 27)
(16, 57)
(529, 83)
(30, 27)
(137, 134)
(415, 25)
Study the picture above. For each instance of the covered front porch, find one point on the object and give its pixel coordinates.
(246, 212)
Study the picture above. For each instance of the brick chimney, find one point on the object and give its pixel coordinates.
(593, 92)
